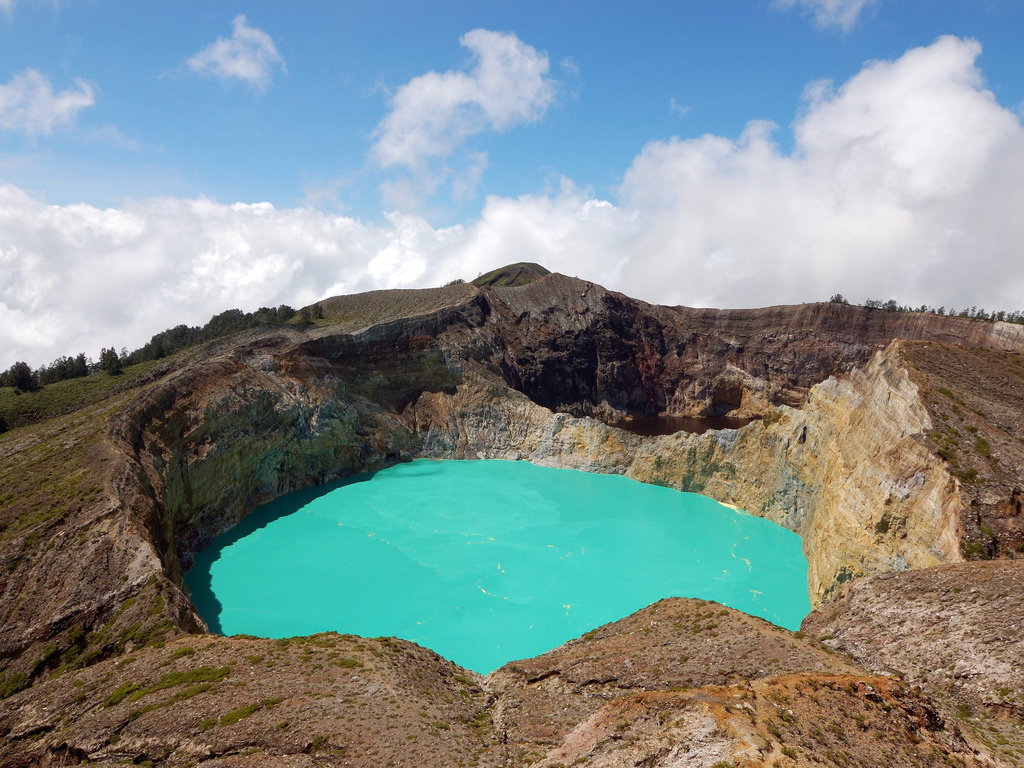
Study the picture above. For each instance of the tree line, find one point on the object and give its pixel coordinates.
(166, 343)
(973, 313)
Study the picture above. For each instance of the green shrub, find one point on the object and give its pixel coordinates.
(187, 693)
(238, 714)
(122, 692)
(9, 686)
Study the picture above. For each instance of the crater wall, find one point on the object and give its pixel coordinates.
(838, 451)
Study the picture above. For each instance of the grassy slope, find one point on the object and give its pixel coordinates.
(22, 408)
(52, 469)
(512, 276)
(976, 400)
(362, 310)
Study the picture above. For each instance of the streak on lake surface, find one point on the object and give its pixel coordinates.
(488, 561)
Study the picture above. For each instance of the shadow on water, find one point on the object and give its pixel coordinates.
(652, 426)
(199, 578)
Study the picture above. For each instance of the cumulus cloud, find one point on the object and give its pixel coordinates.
(904, 182)
(829, 13)
(28, 104)
(249, 55)
(432, 115)
(78, 277)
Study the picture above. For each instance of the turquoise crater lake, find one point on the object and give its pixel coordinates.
(488, 561)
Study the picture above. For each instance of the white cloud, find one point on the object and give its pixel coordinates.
(28, 104)
(905, 182)
(78, 277)
(7, 6)
(249, 55)
(432, 115)
(902, 183)
(830, 13)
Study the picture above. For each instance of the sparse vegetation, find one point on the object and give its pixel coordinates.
(973, 313)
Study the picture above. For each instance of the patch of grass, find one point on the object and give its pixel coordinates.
(157, 607)
(121, 693)
(188, 693)
(239, 714)
(133, 691)
(9, 686)
(66, 396)
(971, 549)
(482, 721)
(982, 448)
(182, 652)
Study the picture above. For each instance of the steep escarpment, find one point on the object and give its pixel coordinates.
(513, 372)
(573, 346)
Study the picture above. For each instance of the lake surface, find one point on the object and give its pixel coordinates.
(488, 561)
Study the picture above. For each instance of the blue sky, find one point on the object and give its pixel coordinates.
(189, 157)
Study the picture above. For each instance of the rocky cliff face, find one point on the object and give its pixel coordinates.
(849, 472)
(849, 446)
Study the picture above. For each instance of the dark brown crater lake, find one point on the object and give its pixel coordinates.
(651, 426)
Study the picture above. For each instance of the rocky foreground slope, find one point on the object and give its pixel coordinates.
(891, 442)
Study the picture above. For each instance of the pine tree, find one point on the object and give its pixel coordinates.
(110, 362)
